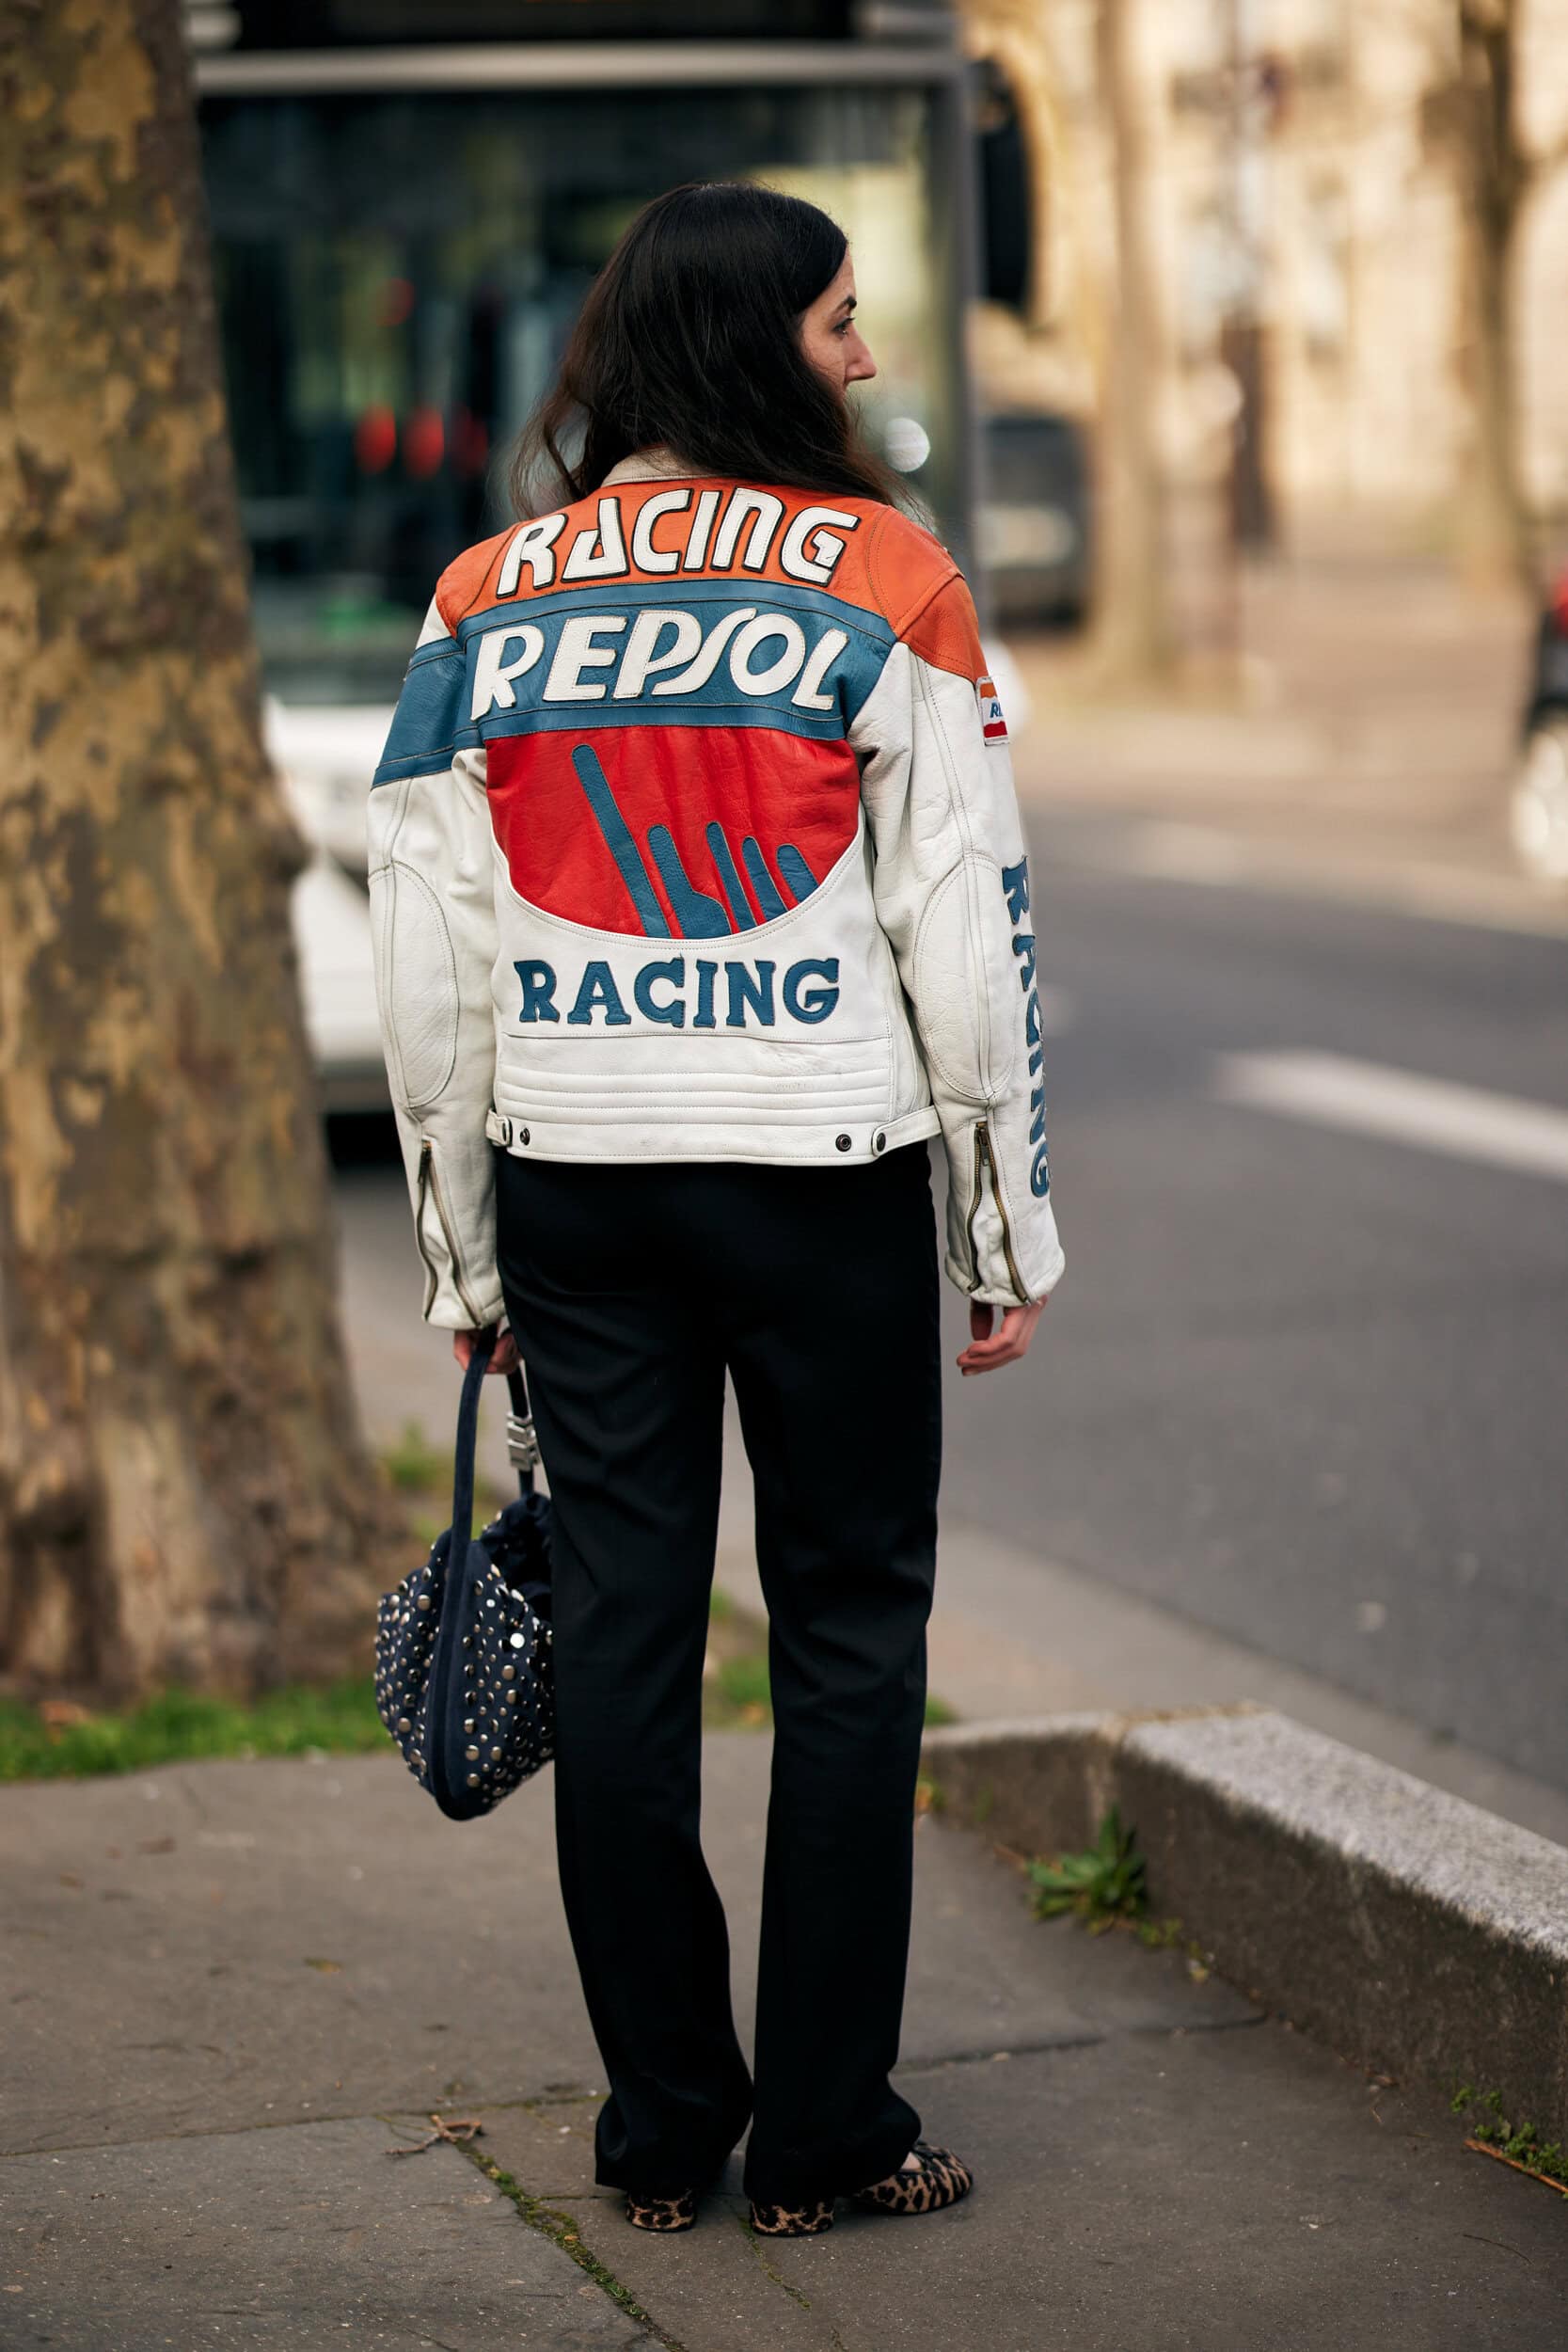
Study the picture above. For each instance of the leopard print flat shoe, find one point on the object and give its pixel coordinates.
(940, 2178)
(807, 2220)
(662, 2213)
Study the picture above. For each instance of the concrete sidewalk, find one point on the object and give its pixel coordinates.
(231, 1988)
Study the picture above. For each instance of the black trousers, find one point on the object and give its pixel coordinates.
(632, 1291)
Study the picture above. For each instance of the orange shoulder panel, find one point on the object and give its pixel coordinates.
(459, 587)
(946, 633)
(907, 568)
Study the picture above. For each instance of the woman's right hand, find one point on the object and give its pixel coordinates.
(504, 1356)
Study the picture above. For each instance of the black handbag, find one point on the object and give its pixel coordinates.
(463, 1667)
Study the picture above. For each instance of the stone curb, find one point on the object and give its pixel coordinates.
(1417, 1935)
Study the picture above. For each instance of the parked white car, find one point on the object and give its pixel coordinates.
(324, 756)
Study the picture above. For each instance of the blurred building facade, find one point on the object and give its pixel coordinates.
(1313, 277)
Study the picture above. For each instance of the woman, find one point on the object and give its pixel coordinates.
(700, 901)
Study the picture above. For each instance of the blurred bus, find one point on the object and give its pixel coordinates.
(409, 200)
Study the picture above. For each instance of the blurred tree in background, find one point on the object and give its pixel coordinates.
(184, 1493)
(1133, 624)
(1475, 113)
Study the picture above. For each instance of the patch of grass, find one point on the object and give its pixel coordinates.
(413, 1465)
(1105, 1888)
(57, 1740)
(938, 1711)
(1517, 2143)
(1100, 1886)
(743, 1681)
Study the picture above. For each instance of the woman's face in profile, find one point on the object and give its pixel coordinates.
(828, 336)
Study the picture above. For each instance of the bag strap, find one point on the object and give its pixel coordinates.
(463, 1457)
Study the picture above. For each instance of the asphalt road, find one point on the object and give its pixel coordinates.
(1302, 1384)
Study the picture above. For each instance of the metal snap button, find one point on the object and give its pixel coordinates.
(522, 1134)
(879, 1140)
(841, 1143)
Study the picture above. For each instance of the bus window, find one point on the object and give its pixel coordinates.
(396, 273)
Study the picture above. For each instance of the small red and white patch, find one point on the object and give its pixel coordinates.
(992, 725)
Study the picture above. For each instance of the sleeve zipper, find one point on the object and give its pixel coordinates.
(430, 1187)
(984, 1161)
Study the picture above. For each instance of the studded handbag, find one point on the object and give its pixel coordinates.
(463, 1666)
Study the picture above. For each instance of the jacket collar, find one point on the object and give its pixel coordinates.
(648, 465)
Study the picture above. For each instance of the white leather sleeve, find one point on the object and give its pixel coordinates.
(951, 884)
(432, 920)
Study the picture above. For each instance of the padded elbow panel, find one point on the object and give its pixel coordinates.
(963, 971)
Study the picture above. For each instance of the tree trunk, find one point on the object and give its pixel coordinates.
(1132, 605)
(184, 1493)
(1494, 526)
(1495, 175)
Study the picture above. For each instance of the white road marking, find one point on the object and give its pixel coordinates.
(1332, 1091)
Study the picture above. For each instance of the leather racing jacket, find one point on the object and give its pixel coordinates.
(695, 838)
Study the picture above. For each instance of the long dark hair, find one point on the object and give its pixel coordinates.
(689, 338)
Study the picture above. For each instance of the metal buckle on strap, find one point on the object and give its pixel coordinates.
(498, 1128)
(522, 1446)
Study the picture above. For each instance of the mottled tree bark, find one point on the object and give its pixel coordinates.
(185, 1493)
